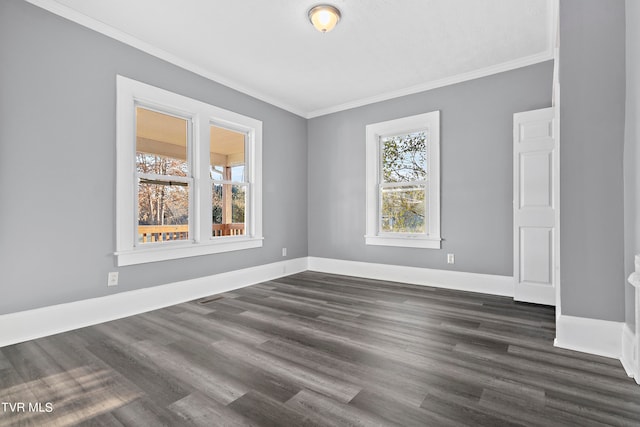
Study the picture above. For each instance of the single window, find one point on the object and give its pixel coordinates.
(188, 177)
(403, 182)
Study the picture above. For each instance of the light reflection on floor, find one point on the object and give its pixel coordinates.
(76, 396)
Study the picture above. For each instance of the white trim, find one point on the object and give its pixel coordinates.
(553, 10)
(458, 280)
(40, 322)
(409, 241)
(634, 279)
(189, 249)
(131, 93)
(631, 342)
(554, 6)
(429, 122)
(32, 324)
(599, 337)
(100, 27)
(472, 75)
(628, 355)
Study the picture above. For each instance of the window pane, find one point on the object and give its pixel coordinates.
(403, 209)
(404, 157)
(237, 173)
(227, 156)
(161, 143)
(228, 209)
(163, 212)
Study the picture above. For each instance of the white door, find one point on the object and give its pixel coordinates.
(535, 184)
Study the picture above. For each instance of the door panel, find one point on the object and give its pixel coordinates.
(535, 180)
(536, 255)
(534, 211)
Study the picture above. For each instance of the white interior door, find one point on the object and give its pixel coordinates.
(535, 180)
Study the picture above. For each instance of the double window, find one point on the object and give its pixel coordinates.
(403, 182)
(188, 176)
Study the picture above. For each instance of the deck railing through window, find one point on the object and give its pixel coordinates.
(164, 233)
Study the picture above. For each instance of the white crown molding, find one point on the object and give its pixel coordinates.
(472, 75)
(40, 322)
(107, 30)
(458, 280)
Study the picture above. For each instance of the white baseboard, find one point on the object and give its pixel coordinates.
(629, 356)
(31, 324)
(599, 337)
(473, 282)
(631, 341)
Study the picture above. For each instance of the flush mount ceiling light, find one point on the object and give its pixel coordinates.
(324, 17)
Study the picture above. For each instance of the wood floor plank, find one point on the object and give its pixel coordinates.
(321, 410)
(152, 381)
(200, 410)
(394, 409)
(377, 380)
(4, 362)
(103, 420)
(332, 386)
(320, 349)
(217, 385)
(268, 412)
(147, 412)
(257, 378)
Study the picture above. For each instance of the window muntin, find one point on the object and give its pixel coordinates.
(163, 149)
(403, 187)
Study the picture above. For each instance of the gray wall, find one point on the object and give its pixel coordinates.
(57, 163)
(476, 170)
(632, 153)
(592, 98)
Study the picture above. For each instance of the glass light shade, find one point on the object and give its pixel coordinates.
(324, 17)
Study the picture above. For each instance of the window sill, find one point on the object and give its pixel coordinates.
(407, 242)
(141, 255)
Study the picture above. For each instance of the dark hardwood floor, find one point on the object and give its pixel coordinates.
(319, 349)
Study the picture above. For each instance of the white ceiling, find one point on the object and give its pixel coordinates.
(379, 50)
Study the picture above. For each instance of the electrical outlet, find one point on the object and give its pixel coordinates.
(113, 279)
(451, 259)
(284, 251)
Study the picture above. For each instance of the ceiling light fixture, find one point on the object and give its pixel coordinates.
(324, 17)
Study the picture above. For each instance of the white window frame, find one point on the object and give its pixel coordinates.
(430, 239)
(130, 94)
